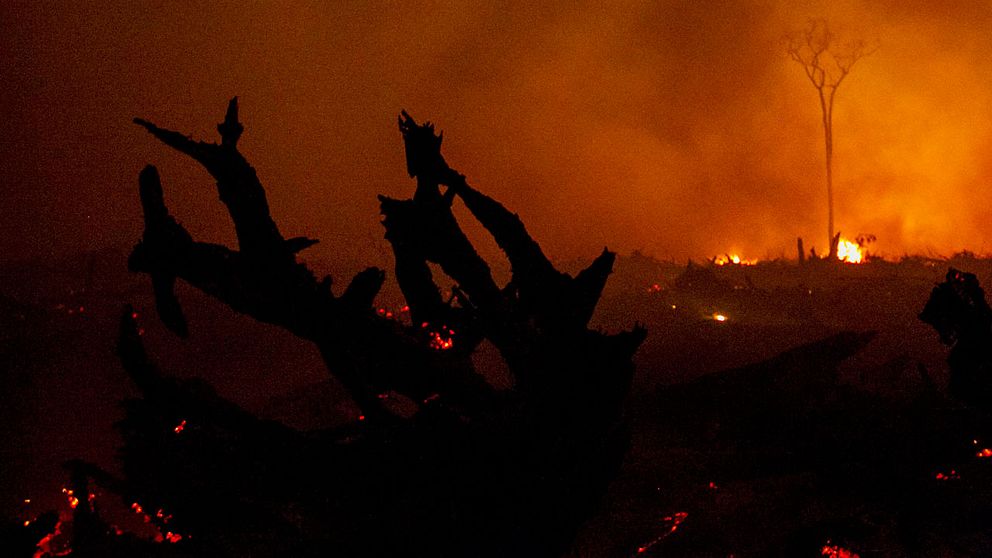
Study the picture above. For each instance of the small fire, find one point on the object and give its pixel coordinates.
(834, 551)
(984, 452)
(733, 259)
(849, 252)
(719, 317)
(180, 427)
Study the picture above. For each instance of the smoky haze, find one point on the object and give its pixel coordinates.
(678, 128)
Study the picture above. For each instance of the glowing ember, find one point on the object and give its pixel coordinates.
(440, 342)
(671, 523)
(953, 475)
(719, 317)
(834, 551)
(73, 501)
(654, 288)
(161, 518)
(179, 427)
(849, 252)
(391, 315)
(53, 544)
(984, 452)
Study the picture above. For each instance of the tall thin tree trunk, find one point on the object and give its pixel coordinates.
(829, 132)
(828, 136)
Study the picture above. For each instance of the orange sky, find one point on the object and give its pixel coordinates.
(675, 127)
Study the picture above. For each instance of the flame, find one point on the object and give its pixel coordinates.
(849, 252)
(733, 259)
(719, 317)
(180, 427)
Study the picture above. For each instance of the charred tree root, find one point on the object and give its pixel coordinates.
(475, 472)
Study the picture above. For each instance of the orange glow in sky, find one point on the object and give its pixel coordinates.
(678, 128)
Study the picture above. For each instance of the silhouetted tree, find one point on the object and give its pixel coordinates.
(473, 472)
(826, 64)
(958, 311)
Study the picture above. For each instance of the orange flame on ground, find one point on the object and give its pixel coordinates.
(849, 252)
(733, 259)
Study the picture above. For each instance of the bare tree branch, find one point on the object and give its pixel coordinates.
(826, 64)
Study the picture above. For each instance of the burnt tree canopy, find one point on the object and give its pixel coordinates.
(473, 472)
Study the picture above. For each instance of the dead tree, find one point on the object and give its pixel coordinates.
(474, 472)
(826, 64)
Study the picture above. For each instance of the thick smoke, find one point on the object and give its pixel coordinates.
(678, 127)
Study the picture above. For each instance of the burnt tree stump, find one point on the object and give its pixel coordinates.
(474, 472)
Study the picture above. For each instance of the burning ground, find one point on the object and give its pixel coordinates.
(751, 435)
